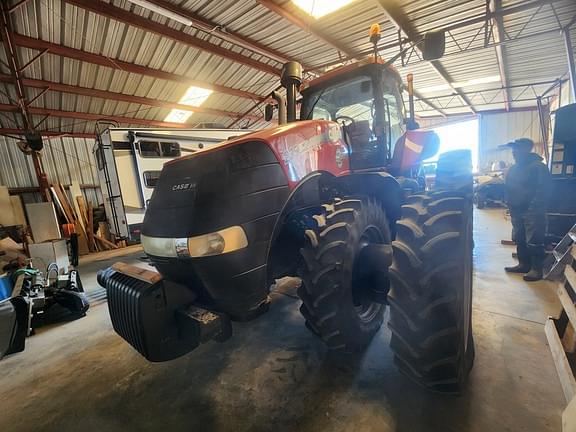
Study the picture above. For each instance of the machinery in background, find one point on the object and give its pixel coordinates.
(324, 198)
(129, 162)
(561, 214)
(490, 191)
(32, 297)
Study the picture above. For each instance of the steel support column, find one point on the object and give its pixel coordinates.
(543, 115)
(570, 58)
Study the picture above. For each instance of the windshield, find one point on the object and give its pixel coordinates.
(354, 98)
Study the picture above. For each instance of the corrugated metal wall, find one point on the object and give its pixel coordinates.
(433, 122)
(497, 129)
(64, 160)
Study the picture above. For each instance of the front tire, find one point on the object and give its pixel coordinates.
(431, 291)
(345, 278)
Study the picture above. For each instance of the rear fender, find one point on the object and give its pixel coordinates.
(379, 186)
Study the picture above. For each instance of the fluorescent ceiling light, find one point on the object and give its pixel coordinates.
(194, 96)
(178, 116)
(459, 84)
(319, 8)
(162, 11)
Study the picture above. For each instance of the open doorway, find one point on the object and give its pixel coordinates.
(458, 136)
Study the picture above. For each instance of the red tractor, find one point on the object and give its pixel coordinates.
(331, 198)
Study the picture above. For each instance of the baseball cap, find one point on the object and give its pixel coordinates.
(519, 143)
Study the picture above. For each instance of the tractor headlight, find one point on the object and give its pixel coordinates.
(216, 243)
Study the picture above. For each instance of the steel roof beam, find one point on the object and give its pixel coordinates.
(498, 31)
(14, 131)
(397, 17)
(216, 29)
(76, 54)
(466, 23)
(122, 15)
(10, 50)
(94, 117)
(108, 95)
(305, 24)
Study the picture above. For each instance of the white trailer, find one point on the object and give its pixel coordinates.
(129, 163)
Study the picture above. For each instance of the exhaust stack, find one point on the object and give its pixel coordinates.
(281, 107)
(291, 79)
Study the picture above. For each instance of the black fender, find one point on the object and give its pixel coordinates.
(305, 200)
(288, 234)
(379, 186)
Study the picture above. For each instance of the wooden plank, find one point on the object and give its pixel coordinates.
(106, 242)
(58, 204)
(90, 224)
(62, 200)
(569, 339)
(104, 230)
(83, 248)
(567, 303)
(86, 216)
(7, 216)
(63, 203)
(569, 417)
(18, 209)
(508, 242)
(565, 375)
(75, 192)
(570, 277)
(137, 272)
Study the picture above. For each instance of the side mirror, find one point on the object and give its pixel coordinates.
(433, 45)
(268, 112)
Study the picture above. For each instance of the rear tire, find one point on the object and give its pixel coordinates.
(431, 291)
(345, 279)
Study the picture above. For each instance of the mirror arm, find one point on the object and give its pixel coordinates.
(402, 52)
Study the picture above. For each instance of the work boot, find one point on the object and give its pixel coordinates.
(519, 268)
(537, 255)
(533, 275)
(523, 260)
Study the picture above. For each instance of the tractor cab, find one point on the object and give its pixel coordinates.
(365, 99)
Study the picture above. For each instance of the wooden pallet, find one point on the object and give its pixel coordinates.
(561, 336)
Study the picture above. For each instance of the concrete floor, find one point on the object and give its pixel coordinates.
(274, 375)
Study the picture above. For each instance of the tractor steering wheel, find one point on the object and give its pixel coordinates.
(345, 118)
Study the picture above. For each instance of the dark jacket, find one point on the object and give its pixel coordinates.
(527, 186)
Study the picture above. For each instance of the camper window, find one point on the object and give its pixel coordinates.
(151, 178)
(154, 149)
(170, 149)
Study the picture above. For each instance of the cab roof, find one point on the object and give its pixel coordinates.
(347, 70)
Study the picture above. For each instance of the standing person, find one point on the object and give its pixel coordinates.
(527, 184)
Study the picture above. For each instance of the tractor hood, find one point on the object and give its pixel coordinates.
(231, 184)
